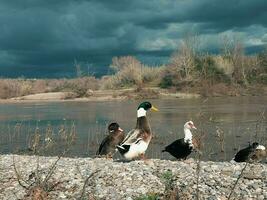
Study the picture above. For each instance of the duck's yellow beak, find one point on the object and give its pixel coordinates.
(154, 108)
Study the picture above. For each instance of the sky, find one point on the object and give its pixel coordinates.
(44, 38)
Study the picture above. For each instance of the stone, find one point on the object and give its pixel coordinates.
(118, 180)
(260, 197)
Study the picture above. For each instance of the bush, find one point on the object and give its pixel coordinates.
(79, 86)
(262, 78)
(169, 78)
(208, 70)
(130, 72)
(14, 87)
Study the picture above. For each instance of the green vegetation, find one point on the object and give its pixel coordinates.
(168, 179)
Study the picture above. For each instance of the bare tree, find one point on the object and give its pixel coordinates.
(233, 50)
(78, 69)
(184, 58)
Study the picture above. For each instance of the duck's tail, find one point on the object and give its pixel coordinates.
(163, 150)
(123, 148)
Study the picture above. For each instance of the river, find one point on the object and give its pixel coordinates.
(226, 124)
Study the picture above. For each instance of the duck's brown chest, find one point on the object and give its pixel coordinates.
(147, 136)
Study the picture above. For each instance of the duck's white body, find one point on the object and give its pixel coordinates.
(136, 149)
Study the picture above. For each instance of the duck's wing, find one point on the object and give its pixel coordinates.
(176, 144)
(243, 155)
(128, 135)
(133, 136)
(102, 145)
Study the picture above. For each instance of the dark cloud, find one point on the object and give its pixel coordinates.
(43, 38)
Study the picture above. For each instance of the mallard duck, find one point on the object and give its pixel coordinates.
(137, 140)
(109, 143)
(252, 153)
(181, 148)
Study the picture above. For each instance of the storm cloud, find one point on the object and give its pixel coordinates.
(43, 38)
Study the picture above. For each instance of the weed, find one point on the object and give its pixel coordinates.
(169, 179)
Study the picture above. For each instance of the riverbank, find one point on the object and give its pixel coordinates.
(104, 95)
(87, 178)
(134, 93)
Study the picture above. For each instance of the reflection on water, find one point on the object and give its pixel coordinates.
(237, 120)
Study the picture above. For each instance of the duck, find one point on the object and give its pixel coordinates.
(181, 148)
(137, 140)
(252, 153)
(108, 145)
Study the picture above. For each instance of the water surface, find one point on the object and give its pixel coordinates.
(238, 121)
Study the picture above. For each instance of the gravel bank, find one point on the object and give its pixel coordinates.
(119, 180)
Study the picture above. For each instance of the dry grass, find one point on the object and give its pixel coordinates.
(38, 186)
(20, 87)
(141, 93)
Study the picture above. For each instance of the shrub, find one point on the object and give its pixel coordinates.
(19, 87)
(151, 74)
(130, 72)
(78, 85)
(128, 69)
(208, 70)
(224, 64)
(169, 78)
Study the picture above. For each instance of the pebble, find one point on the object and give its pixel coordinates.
(258, 190)
(130, 180)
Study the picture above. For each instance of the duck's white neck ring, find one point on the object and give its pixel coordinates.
(187, 136)
(141, 112)
(260, 147)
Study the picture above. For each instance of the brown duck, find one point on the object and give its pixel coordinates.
(109, 143)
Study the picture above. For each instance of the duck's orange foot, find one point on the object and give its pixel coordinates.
(142, 156)
(146, 160)
(109, 156)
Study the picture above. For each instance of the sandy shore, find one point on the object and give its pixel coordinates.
(101, 95)
(99, 178)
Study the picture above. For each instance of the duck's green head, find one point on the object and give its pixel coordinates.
(146, 106)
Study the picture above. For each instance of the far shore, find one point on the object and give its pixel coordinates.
(113, 95)
(101, 95)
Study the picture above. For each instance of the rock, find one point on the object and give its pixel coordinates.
(208, 169)
(118, 180)
(261, 197)
(227, 173)
(255, 186)
(258, 191)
